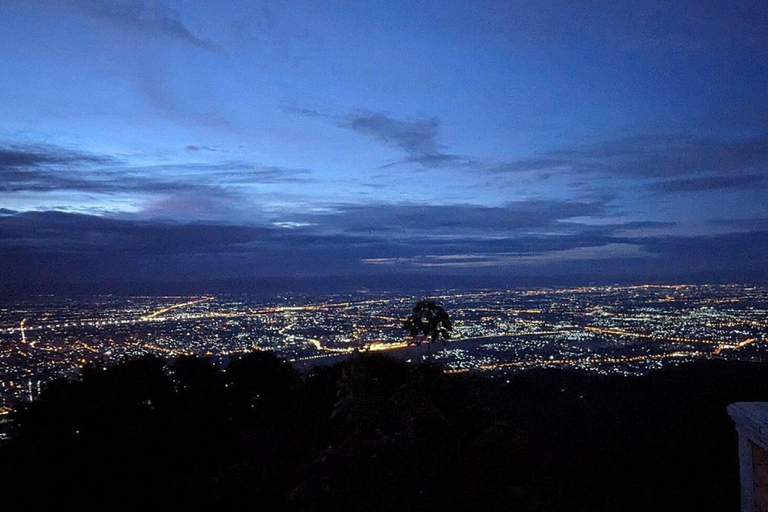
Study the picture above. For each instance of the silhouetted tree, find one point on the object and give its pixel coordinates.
(430, 319)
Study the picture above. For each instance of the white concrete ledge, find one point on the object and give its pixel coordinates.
(751, 419)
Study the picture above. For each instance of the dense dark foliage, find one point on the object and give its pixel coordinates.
(374, 433)
(429, 318)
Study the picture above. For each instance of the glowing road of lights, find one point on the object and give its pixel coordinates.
(734, 347)
(378, 346)
(165, 310)
(319, 346)
(24, 342)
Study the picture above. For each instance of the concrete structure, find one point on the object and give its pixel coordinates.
(751, 420)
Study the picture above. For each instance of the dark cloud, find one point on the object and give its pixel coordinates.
(75, 233)
(61, 247)
(31, 156)
(641, 156)
(275, 174)
(707, 183)
(416, 137)
(40, 248)
(661, 156)
(74, 237)
(715, 258)
(664, 156)
(698, 163)
(447, 219)
(618, 232)
(194, 148)
(47, 168)
(432, 161)
(150, 16)
(223, 173)
(195, 174)
(67, 232)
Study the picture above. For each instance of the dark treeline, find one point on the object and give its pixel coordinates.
(372, 433)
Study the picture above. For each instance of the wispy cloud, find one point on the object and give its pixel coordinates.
(671, 163)
(513, 259)
(407, 219)
(149, 16)
(418, 138)
(30, 156)
(45, 168)
(708, 183)
(74, 233)
(652, 157)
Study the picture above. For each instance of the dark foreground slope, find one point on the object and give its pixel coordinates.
(377, 434)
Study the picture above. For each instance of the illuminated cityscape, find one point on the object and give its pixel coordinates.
(371, 256)
(608, 329)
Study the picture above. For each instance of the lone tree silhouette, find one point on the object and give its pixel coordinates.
(430, 319)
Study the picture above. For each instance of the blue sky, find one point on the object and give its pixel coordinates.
(178, 140)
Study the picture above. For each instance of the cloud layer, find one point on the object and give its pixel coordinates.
(668, 163)
(42, 168)
(51, 248)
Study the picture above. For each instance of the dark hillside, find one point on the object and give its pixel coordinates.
(374, 433)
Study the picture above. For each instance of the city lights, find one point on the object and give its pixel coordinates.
(607, 329)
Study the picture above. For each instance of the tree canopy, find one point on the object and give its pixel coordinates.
(430, 319)
(373, 433)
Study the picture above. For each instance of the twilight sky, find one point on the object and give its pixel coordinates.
(180, 140)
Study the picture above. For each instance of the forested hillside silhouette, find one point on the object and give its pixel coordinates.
(373, 433)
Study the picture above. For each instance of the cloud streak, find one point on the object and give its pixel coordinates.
(417, 137)
(148, 16)
(398, 219)
(511, 259)
(43, 168)
(672, 163)
(709, 183)
(658, 157)
(21, 157)
(40, 168)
